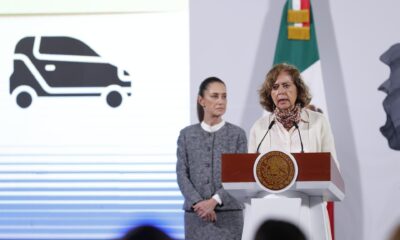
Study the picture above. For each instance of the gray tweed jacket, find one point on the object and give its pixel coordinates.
(198, 167)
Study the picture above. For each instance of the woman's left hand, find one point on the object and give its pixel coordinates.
(211, 217)
(205, 207)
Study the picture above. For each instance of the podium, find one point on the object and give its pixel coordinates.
(318, 180)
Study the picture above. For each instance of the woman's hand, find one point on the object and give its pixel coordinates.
(205, 209)
(211, 217)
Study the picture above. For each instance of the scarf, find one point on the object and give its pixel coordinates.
(288, 116)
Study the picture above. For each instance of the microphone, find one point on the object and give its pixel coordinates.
(301, 142)
(269, 127)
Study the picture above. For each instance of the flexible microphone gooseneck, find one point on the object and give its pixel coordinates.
(269, 128)
(301, 142)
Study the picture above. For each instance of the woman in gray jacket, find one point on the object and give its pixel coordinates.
(210, 212)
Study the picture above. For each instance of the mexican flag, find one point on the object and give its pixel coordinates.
(297, 45)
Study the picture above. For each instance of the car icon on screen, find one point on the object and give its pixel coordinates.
(60, 66)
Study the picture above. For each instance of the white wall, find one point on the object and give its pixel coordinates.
(235, 40)
(363, 33)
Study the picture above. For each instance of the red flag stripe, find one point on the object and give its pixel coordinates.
(305, 4)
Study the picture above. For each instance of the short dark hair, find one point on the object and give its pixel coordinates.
(303, 93)
(278, 229)
(146, 232)
(203, 87)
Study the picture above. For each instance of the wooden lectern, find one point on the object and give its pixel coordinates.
(318, 180)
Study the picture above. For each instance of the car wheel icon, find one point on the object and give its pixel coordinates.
(24, 99)
(24, 96)
(114, 99)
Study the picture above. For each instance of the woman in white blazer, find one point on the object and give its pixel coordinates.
(290, 127)
(285, 95)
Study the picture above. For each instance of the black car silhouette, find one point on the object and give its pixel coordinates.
(64, 66)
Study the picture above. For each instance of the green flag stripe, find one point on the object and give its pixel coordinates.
(301, 53)
(289, 4)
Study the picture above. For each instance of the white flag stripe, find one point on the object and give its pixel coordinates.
(296, 5)
(313, 78)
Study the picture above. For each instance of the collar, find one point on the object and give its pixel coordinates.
(214, 128)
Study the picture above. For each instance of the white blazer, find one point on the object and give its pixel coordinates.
(314, 128)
